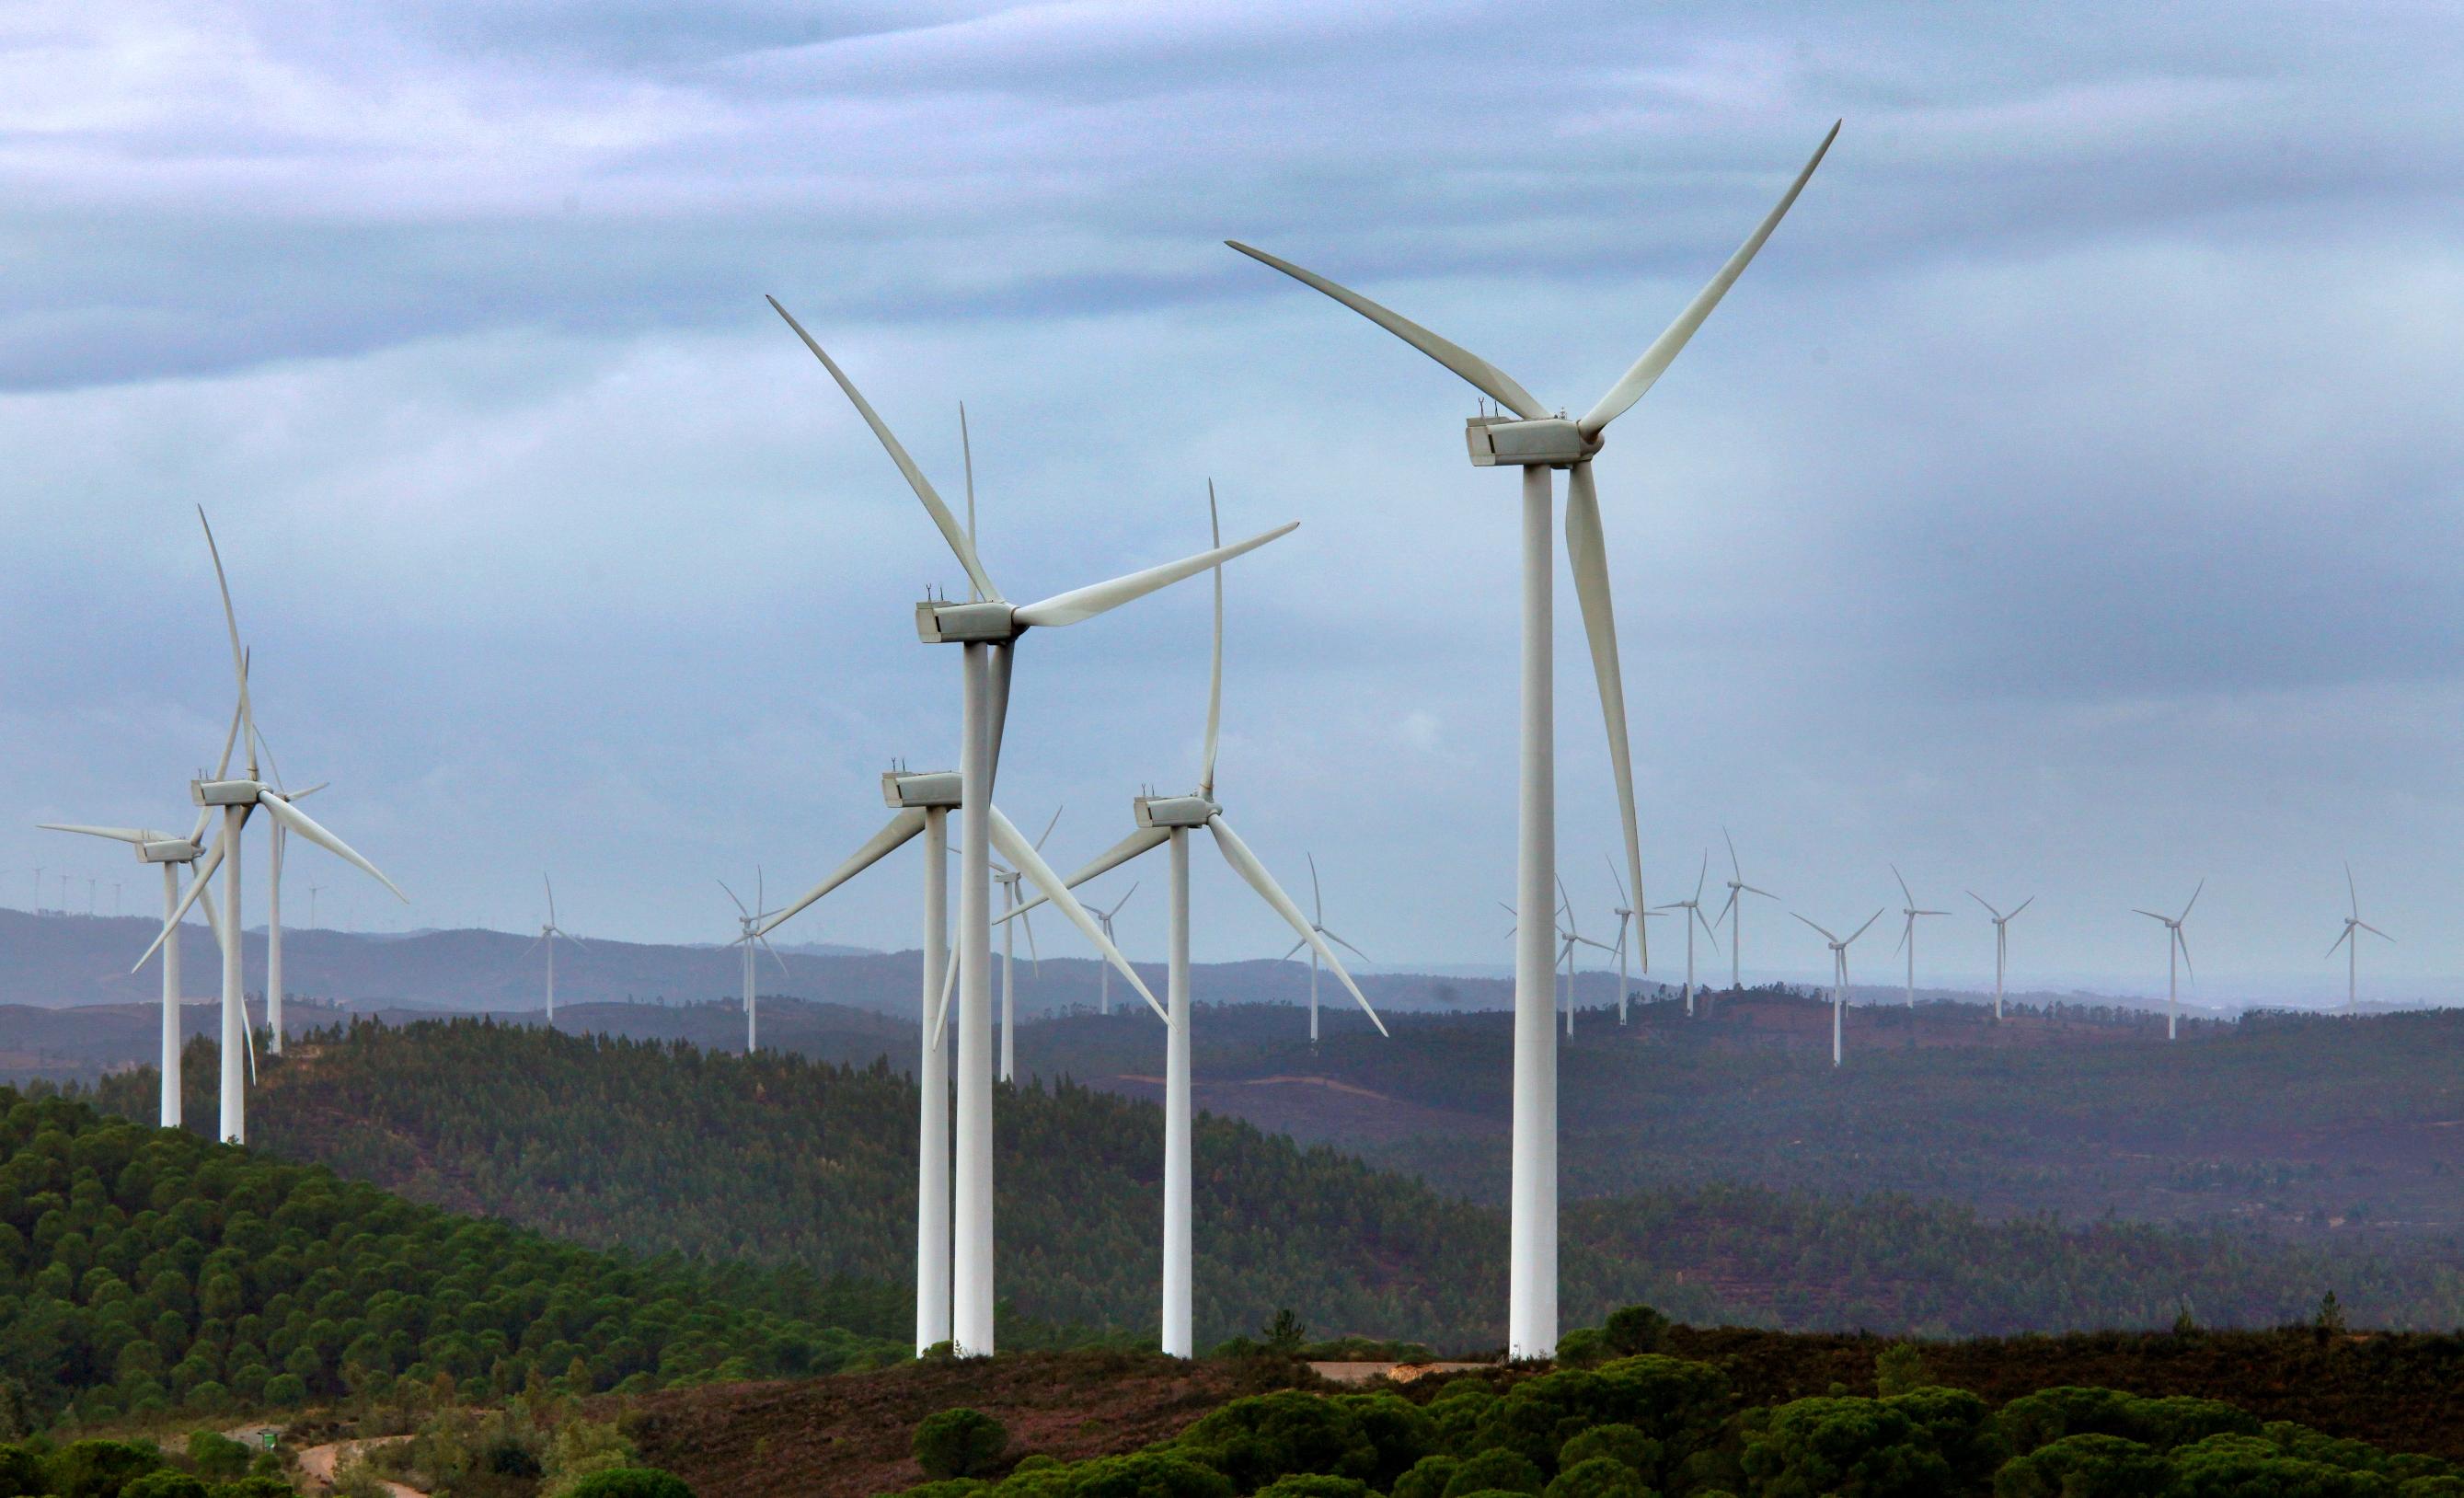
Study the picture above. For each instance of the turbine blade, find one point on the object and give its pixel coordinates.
(2349, 889)
(774, 956)
(116, 834)
(291, 819)
(1905, 927)
(213, 919)
(2374, 931)
(1734, 873)
(948, 523)
(2186, 952)
(1046, 835)
(1003, 664)
(2152, 915)
(1700, 875)
(1671, 343)
(1317, 896)
(1826, 935)
(231, 621)
(1904, 885)
(2194, 899)
(1113, 857)
(2345, 935)
(204, 871)
(731, 894)
(1245, 864)
(1862, 929)
(1759, 889)
(894, 833)
(2022, 905)
(1711, 930)
(1295, 947)
(1482, 375)
(1363, 956)
(1124, 900)
(1085, 603)
(550, 886)
(1988, 910)
(1215, 668)
(1020, 852)
(1586, 550)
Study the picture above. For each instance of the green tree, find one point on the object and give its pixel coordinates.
(959, 1442)
(2086, 1466)
(631, 1481)
(1597, 1477)
(1495, 1470)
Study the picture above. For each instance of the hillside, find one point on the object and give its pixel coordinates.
(781, 1160)
(143, 1269)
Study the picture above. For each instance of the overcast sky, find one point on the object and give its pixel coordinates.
(2066, 503)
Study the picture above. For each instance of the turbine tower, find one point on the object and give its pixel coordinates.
(745, 936)
(1169, 820)
(2352, 944)
(1839, 977)
(922, 803)
(2177, 958)
(1317, 923)
(236, 798)
(1694, 917)
(1538, 443)
(987, 628)
(1009, 879)
(549, 931)
(2001, 944)
(1908, 931)
(1625, 913)
(1733, 913)
(1104, 918)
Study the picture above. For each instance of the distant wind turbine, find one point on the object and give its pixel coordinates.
(1694, 917)
(746, 935)
(1625, 912)
(1104, 970)
(1317, 923)
(1570, 938)
(2352, 944)
(1733, 913)
(2177, 946)
(1908, 931)
(1839, 977)
(1009, 879)
(549, 931)
(2001, 942)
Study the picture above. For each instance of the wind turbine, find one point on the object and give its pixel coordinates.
(2001, 944)
(2352, 944)
(987, 628)
(1539, 443)
(1908, 931)
(174, 853)
(1625, 912)
(1009, 879)
(1317, 923)
(1839, 977)
(2177, 956)
(549, 931)
(1568, 938)
(276, 842)
(745, 937)
(1104, 918)
(1169, 820)
(1733, 912)
(1694, 917)
(923, 802)
(236, 798)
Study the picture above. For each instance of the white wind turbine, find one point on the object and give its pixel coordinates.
(277, 842)
(1169, 820)
(923, 801)
(2177, 956)
(1539, 443)
(2352, 944)
(1104, 918)
(548, 933)
(236, 798)
(1908, 931)
(1625, 912)
(1317, 923)
(746, 935)
(1694, 917)
(1839, 977)
(174, 853)
(987, 628)
(1733, 913)
(2001, 942)
(1009, 879)
(1569, 938)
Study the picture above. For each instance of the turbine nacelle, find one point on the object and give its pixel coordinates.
(169, 850)
(225, 793)
(987, 623)
(1511, 442)
(1172, 811)
(929, 789)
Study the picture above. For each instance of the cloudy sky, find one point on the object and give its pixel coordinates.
(2066, 503)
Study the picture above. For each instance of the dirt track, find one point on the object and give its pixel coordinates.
(319, 1463)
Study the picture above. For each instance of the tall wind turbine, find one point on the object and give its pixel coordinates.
(1539, 443)
(746, 936)
(174, 853)
(1104, 918)
(1908, 931)
(277, 840)
(548, 932)
(236, 798)
(1569, 938)
(1168, 821)
(1839, 977)
(1733, 913)
(987, 628)
(2001, 942)
(2352, 944)
(1317, 923)
(1694, 917)
(1625, 913)
(1009, 879)
(2177, 956)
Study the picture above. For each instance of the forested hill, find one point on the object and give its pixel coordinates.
(142, 1269)
(777, 1160)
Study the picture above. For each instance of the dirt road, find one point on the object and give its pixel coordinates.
(319, 1463)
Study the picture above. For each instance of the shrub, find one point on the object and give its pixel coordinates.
(255, 1485)
(1262, 1436)
(1147, 1474)
(97, 1468)
(1618, 1442)
(1427, 1478)
(959, 1442)
(1399, 1431)
(1495, 1470)
(1899, 1369)
(1634, 1330)
(631, 1481)
(1582, 1348)
(1314, 1485)
(1598, 1477)
(1816, 1447)
(216, 1457)
(2086, 1466)
(2235, 1465)
(164, 1482)
(21, 1472)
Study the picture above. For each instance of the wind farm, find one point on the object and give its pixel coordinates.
(2001, 533)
